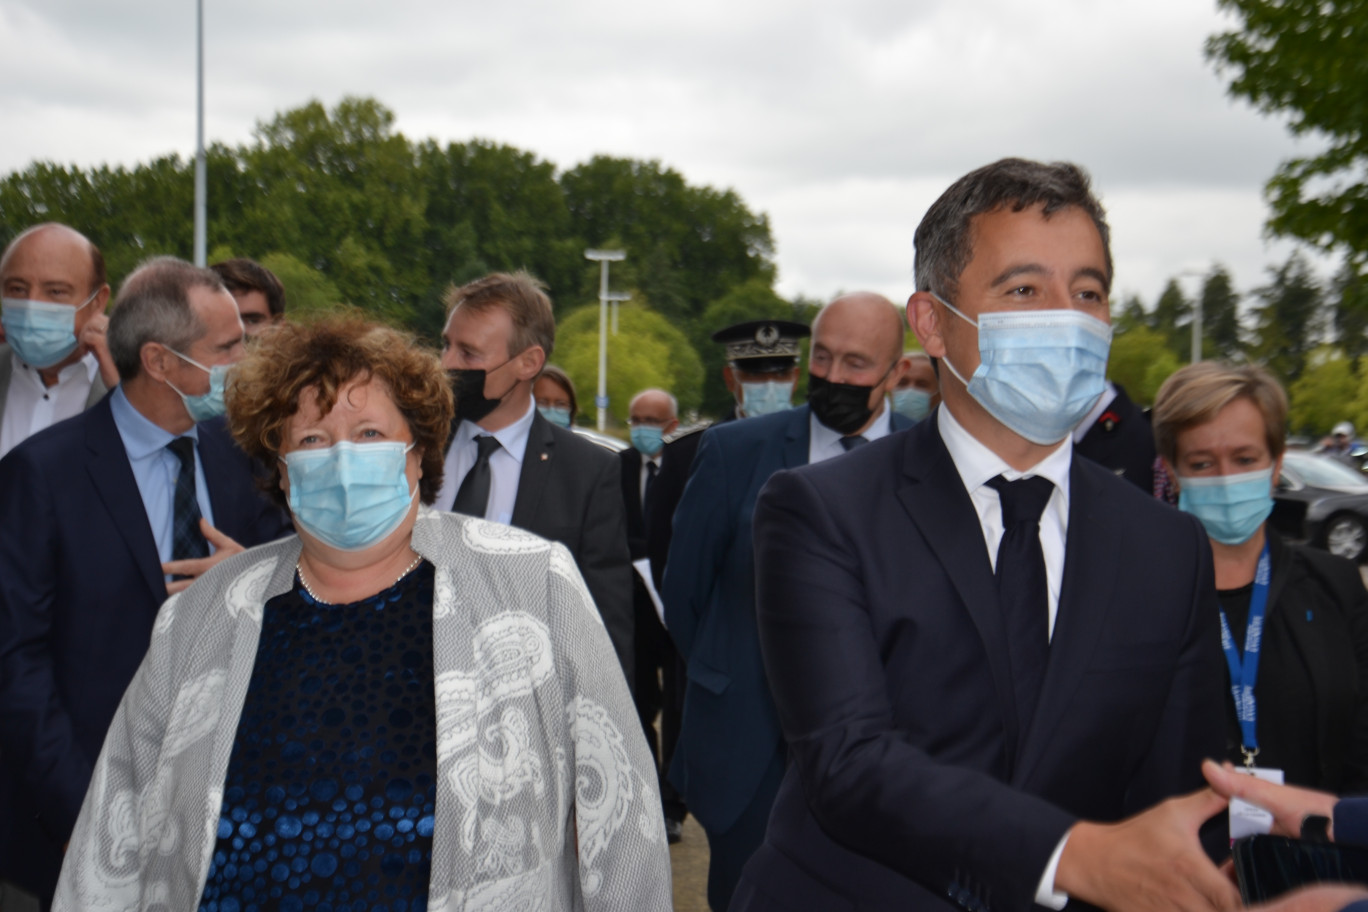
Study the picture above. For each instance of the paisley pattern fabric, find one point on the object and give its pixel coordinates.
(545, 791)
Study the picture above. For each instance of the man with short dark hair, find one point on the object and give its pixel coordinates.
(105, 513)
(54, 362)
(730, 756)
(984, 652)
(259, 295)
(508, 464)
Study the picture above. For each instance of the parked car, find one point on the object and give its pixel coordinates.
(603, 440)
(1322, 501)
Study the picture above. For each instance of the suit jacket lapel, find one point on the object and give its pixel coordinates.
(933, 494)
(118, 491)
(536, 468)
(1091, 551)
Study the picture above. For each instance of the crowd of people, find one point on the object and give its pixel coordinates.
(305, 615)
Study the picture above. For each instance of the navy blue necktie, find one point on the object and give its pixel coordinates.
(1023, 587)
(187, 541)
(853, 441)
(473, 497)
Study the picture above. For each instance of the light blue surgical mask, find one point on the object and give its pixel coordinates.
(766, 397)
(558, 416)
(1231, 507)
(912, 403)
(210, 404)
(648, 439)
(350, 495)
(1040, 371)
(42, 333)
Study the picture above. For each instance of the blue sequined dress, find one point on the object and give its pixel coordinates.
(330, 791)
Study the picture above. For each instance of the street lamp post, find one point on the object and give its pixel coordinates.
(201, 190)
(604, 257)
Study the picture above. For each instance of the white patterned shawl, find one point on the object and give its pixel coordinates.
(546, 795)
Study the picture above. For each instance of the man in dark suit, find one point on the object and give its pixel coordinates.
(730, 755)
(99, 512)
(1117, 434)
(986, 653)
(652, 414)
(509, 464)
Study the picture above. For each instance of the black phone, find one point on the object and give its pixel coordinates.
(1268, 866)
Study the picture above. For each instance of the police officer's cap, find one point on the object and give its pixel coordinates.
(763, 346)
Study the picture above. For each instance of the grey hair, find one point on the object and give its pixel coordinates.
(944, 239)
(674, 403)
(154, 306)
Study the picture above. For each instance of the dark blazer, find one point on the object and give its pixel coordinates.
(1122, 440)
(910, 784)
(1318, 607)
(568, 491)
(730, 732)
(80, 585)
(675, 463)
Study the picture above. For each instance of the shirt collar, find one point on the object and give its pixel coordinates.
(141, 437)
(977, 464)
(87, 363)
(824, 437)
(512, 438)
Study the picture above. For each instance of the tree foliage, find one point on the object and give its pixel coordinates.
(1324, 394)
(1308, 60)
(1141, 360)
(1220, 316)
(1287, 322)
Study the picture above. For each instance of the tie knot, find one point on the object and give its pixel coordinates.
(651, 468)
(1023, 500)
(184, 448)
(487, 445)
(853, 441)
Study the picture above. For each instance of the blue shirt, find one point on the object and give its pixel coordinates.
(155, 469)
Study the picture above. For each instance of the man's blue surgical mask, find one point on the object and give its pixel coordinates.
(558, 416)
(648, 439)
(350, 495)
(911, 402)
(766, 397)
(42, 333)
(1040, 371)
(207, 405)
(1231, 507)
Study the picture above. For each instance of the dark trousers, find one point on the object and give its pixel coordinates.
(658, 689)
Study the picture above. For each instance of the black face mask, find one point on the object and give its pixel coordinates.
(843, 407)
(468, 386)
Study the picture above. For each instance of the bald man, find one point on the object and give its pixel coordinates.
(54, 363)
(730, 756)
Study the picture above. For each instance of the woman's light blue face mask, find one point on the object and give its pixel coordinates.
(1231, 507)
(350, 495)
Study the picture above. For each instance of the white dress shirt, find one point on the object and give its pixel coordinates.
(976, 465)
(30, 405)
(824, 443)
(505, 464)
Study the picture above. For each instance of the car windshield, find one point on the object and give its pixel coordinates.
(1323, 473)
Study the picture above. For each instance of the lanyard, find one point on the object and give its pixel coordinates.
(1244, 673)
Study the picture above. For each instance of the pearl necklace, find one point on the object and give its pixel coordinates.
(299, 571)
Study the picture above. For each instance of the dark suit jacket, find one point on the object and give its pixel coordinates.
(910, 784)
(1122, 440)
(1318, 621)
(568, 491)
(80, 584)
(730, 732)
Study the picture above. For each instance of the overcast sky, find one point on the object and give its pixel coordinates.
(842, 124)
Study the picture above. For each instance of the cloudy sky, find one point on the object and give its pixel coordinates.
(842, 122)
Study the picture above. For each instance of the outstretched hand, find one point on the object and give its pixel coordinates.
(1288, 804)
(193, 568)
(1152, 861)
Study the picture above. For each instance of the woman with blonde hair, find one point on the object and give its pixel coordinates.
(1294, 619)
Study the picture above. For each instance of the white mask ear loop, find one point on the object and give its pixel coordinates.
(959, 313)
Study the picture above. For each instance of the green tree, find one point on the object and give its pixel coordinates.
(686, 246)
(1140, 361)
(1308, 60)
(1349, 297)
(1220, 316)
(1172, 318)
(1131, 314)
(1320, 396)
(1287, 321)
(646, 351)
